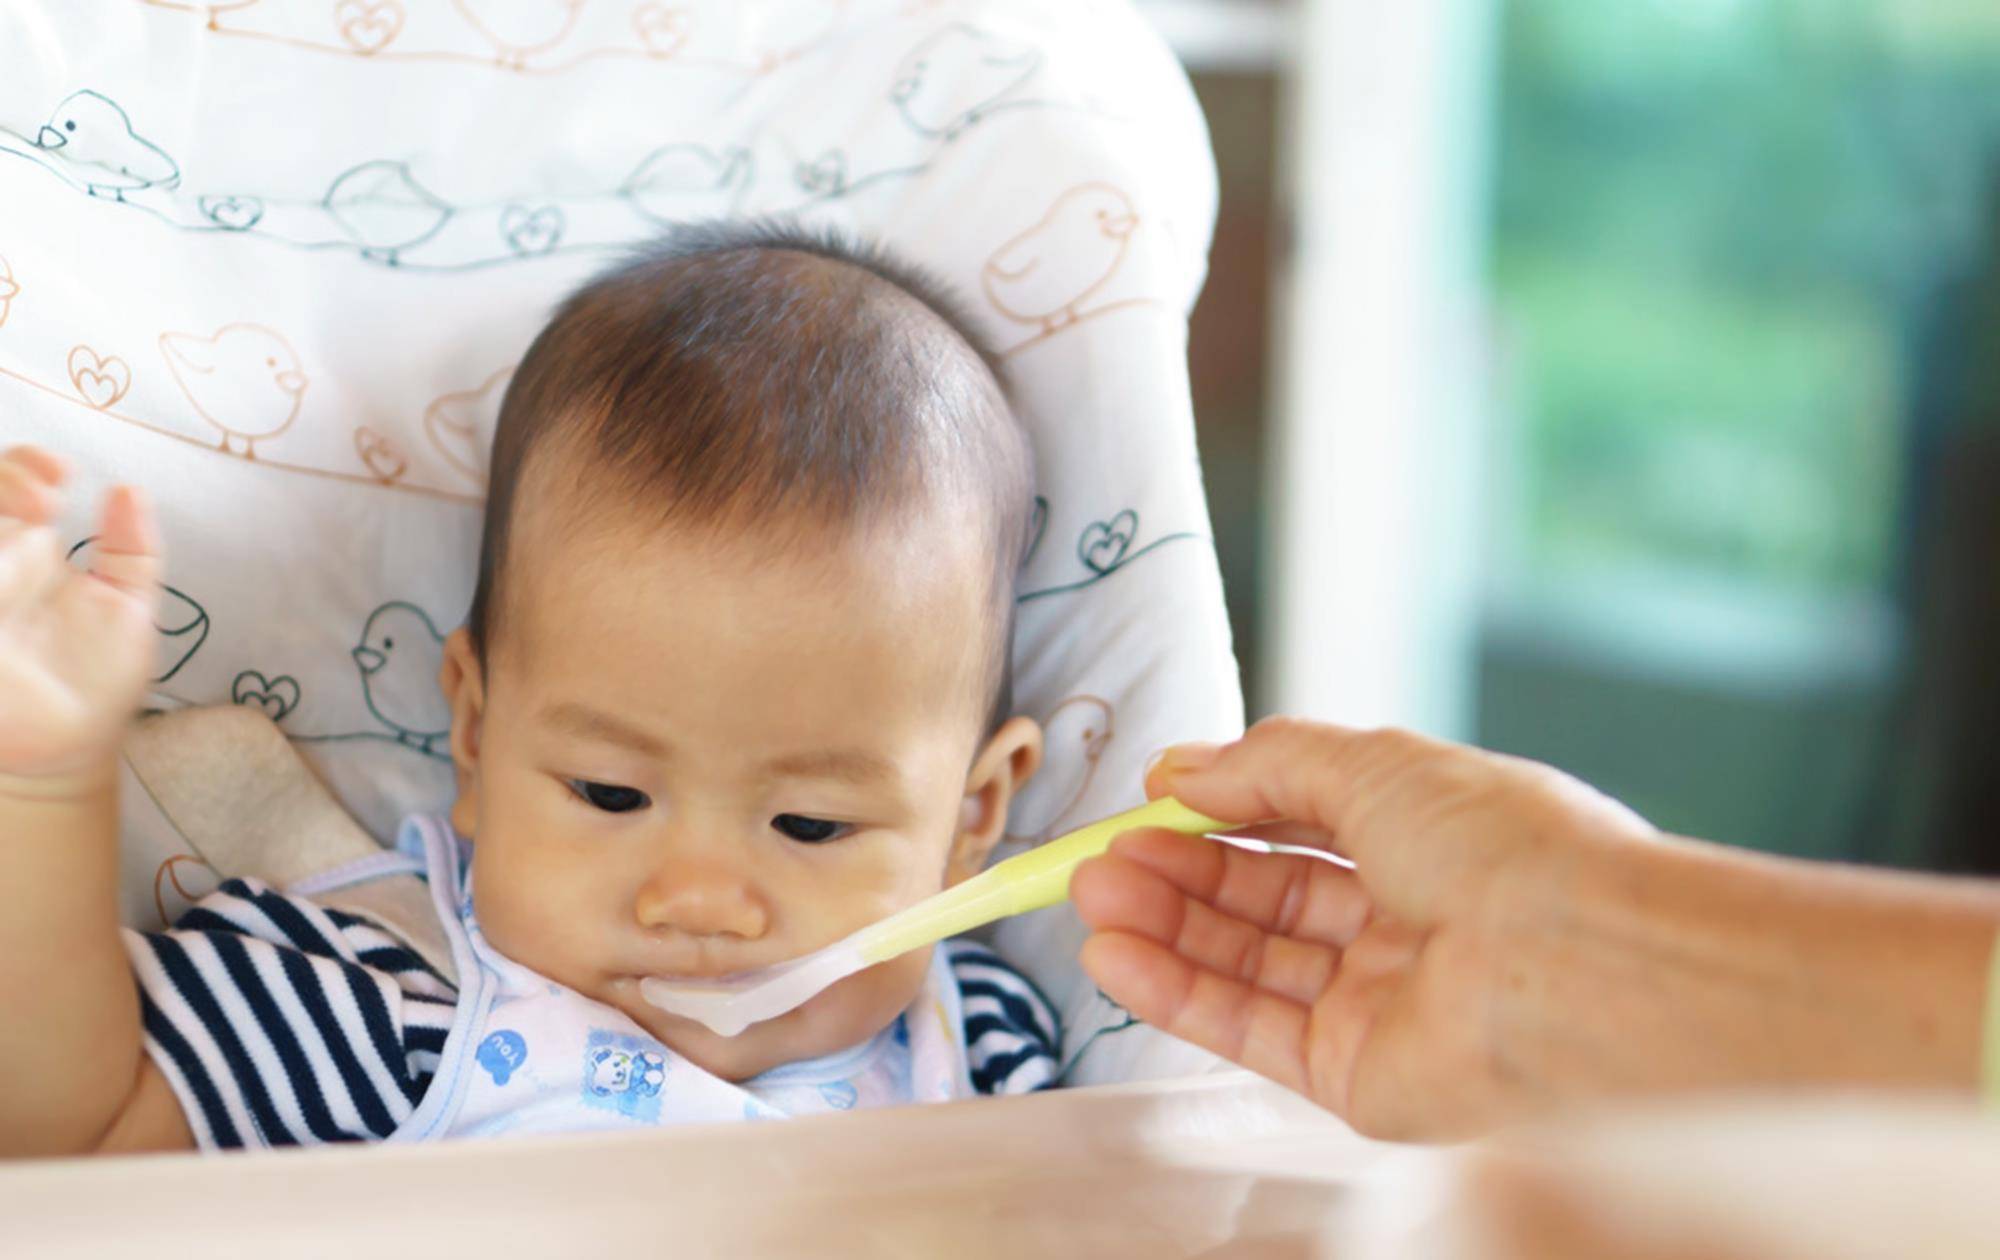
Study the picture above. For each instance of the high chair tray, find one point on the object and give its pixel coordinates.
(1177, 1168)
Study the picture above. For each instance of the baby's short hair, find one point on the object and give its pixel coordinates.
(763, 375)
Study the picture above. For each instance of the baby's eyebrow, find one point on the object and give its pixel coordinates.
(588, 723)
(848, 765)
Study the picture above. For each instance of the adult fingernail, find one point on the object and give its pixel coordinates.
(1188, 758)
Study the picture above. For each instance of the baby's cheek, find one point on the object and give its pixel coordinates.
(868, 893)
(865, 1004)
(507, 921)
(531, 916)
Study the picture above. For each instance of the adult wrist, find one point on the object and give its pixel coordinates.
(1691, 965)
(80, 784)
(1566, 935)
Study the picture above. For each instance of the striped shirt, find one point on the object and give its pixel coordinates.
(281, 1022)
(1011, 1036)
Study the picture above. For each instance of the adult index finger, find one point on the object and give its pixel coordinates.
(1323, 776)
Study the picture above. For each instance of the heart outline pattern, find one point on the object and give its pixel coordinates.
(383, 458)
(276, 696)
(1103, 545)
(824, 176)
(662, 28)
(368, 26)
(531, 231)
(232, 212)
(100, 380)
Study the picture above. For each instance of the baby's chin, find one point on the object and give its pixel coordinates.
(754, 1051)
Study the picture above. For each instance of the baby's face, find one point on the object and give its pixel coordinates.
(688, 757)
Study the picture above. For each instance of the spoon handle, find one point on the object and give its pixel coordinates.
(1030, 881)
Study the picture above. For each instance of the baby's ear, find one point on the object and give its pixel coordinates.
(464, 686)
(1009, 759)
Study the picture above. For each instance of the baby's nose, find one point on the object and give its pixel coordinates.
(702, 901)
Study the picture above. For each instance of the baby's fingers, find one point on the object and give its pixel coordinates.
(31, 565)
(47, 465)
(28, 485)
(128, 545)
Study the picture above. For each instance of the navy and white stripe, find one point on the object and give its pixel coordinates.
(1011, 1033)
(280, 1022)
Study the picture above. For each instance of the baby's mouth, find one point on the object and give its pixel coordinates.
(700, 965)
(729, 1005)
(707, 972)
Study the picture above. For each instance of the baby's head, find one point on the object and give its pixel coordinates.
(735, 681)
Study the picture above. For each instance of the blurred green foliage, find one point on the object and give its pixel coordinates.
(1716, 221)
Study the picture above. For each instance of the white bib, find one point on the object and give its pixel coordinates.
(526, 1055)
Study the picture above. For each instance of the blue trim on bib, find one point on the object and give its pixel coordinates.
(444, 854)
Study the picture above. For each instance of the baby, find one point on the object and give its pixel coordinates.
(734, 684)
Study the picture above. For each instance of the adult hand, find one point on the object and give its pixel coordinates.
(1509, 937)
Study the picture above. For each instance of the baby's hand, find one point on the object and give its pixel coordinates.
(74, 647)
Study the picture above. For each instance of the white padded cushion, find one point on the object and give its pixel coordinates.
(275, 261)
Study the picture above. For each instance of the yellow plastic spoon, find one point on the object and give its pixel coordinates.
(1032, 881)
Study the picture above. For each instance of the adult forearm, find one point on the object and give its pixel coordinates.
(1690, 965)
(69, 1014)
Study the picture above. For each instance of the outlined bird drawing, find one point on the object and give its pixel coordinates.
(956, 76)
(384, 210)
(398, 656)
(1074, 734)
(245, 380)
(677, 182)
(181, 623)
(1043, 275)
(521, 29)
(183, 627)
(460, 424)
(91, 132)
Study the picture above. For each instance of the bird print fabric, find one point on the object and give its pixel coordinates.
(244, 380)
(399, 655)
(90, 132)
(276, 262)
(1048, 273)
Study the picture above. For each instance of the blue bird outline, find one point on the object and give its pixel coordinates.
(371, 656)
(57, 139)
(352, 190)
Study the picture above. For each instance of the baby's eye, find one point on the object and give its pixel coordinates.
(609, 797)
(808, 830)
